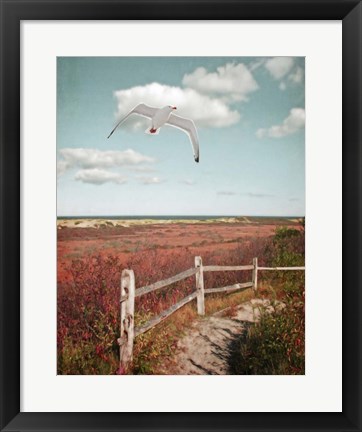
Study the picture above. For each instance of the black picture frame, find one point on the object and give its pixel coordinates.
(12, 12)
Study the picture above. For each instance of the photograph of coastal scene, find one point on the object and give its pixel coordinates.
(180, 216)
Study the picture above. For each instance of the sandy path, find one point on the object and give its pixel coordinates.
(205, 349)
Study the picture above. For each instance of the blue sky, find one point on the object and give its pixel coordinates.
(250, 116)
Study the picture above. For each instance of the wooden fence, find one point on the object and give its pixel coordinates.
(128, 293)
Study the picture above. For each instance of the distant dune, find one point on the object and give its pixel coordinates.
(103, 223)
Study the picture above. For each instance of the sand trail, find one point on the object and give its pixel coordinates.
(206, 348)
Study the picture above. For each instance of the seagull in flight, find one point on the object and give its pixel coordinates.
(165, 116)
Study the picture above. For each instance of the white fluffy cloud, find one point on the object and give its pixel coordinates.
(204, 110)
(205, 96)
(286, 69)
(234, 80)
(292, 124)
(98, 176)
(297, 75)
(87, 158)
(93, 165)
(278, 67)
(62, 166)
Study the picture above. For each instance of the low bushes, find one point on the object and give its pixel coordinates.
(88, 306)
(276, 345)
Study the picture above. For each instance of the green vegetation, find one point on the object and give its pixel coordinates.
(276, 345)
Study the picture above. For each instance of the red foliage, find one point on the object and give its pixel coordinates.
(88, 306)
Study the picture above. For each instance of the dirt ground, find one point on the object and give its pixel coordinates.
(207, 347)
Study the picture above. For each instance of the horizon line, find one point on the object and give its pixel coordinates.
(179, 215)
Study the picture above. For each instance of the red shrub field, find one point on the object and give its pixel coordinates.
(90, 262)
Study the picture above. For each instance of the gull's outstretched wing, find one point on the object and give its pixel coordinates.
(142, 110)
(189, 127)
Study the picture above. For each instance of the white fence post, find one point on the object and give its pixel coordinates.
(127, 319)
(255, 274)
(200, 286)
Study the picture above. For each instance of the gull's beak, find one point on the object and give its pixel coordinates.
(174, 108)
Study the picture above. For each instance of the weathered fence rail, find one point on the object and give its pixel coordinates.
(281, 268)
(228, 268)
(163, 315)
(229, 288)
(166, 282)
(129, 292)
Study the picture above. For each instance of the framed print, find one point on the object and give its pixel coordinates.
(180, 215)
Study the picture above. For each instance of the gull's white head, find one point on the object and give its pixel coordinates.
(172, 107)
